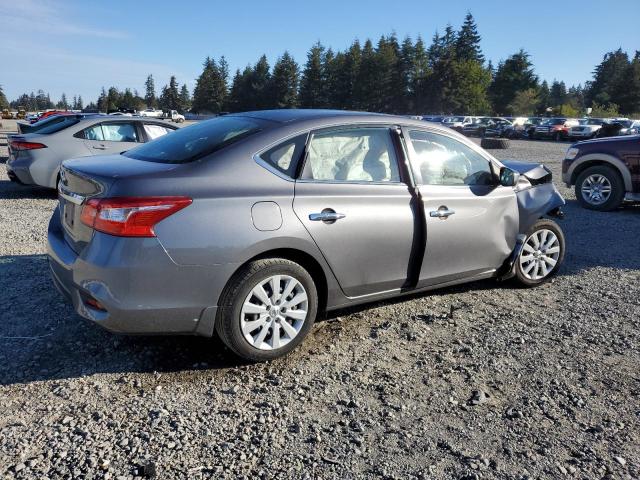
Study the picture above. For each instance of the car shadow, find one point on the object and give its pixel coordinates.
(42, 338)
(11, 190)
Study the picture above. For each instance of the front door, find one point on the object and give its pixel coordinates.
(472, 221)
(353, 203)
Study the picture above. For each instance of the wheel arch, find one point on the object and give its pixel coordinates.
(594, 160)
(305, 260)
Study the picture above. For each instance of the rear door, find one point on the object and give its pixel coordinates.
(352, 200)
(471, 221)
(111, 137)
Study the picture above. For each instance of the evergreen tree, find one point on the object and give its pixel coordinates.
(606, 76)
(80, 103)
(544, 94)
(468, 93)
(240, 91)
(284, 82)
(512, 76)
(626, 91)
(150, 93)
(468, 41)
(3, 99)
(525, 102)
(443, 81)
(259, 97)
(346, 68)
(311, 84)
(420, 78)
(365, 95)
(184, 99)
(210, 92)
(558, 93)
(63, 104)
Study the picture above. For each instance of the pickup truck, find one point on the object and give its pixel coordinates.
(555, 128)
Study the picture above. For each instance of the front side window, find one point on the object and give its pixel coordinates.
(155, 131)
(284, 157)
(352, 155)
(442, 160)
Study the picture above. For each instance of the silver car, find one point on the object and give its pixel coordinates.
(252, 224)
(35, 158)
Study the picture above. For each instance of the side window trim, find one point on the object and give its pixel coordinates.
(305, 168)
(415, 171)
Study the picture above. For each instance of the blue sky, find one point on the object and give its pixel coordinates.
(77, 46)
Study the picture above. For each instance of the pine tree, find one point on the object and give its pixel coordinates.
(3, 99)
(239, 97)
(80, 103)
(557, 93)
(259, 97)
(184, 99)
(150, 95)
(391, 96)
(346, 74)
(311, 84)
(468, 41)
(626, 90)
(512, 76)
(420, 78)
(544, 95)
(468, 93)
(210, 92)
(284, 82)
(606, 76)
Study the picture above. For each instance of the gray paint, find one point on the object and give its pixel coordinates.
(241, 210)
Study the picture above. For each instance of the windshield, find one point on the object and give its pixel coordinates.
(197, 141)
(555, 121)
(54, 124)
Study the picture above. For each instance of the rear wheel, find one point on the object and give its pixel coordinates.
(542, 254)
(267, 309)
(600, 188)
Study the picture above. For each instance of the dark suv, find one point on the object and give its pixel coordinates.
(604, 171)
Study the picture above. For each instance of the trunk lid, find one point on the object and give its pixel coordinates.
(94, 177)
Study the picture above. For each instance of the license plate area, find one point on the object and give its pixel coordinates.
(68, 215)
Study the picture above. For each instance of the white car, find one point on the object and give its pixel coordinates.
(588, 128)
(151, 112)
(459, 122)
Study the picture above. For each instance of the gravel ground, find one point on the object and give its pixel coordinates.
(480, 381)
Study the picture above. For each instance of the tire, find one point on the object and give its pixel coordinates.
(495, 143)
(557, 137)
(535, 266)
(239, 292)
(590, 178)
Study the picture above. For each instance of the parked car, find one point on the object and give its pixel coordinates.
(49, 113)
(499, 127)
(604, 172)
(433, 119)
(555, 128)
(26, 127)
(35, 158)
(151, 112)
(276, 235)
(458, 123)
(479, 128)
(529, 127)
(587, 128)
(630, 127)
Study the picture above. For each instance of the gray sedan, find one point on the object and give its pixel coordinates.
(250, 225)
(35, 158)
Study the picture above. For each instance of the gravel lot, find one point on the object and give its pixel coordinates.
(480, 381)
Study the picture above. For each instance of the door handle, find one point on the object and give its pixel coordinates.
(101, 147)
(326, 216)
(443, 213)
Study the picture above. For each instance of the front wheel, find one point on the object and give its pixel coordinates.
(542, 253)
(600, 188)
(267, 309)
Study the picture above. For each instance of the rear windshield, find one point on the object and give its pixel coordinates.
(197, 141)
(54, 124)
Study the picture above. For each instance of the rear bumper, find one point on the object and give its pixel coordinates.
(141, 289)
(19, 171)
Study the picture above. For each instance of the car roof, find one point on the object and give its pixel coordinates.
(317, 118)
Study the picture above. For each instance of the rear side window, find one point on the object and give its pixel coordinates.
(155, 131)
(285, 156)
(352, 155)
(119, 132)
(93, 133)
(197, 141)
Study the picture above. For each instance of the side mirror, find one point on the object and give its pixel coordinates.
(508, 177)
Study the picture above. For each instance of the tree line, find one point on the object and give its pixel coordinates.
(450, 75)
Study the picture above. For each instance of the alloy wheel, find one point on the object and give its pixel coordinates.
(274, 312)
(540, 254)
(596, 189)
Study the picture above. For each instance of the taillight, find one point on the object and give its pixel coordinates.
(22, 145)
(130, 216)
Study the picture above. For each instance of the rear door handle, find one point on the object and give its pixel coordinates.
(101, 147)
(443, 212)
(326, 216)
